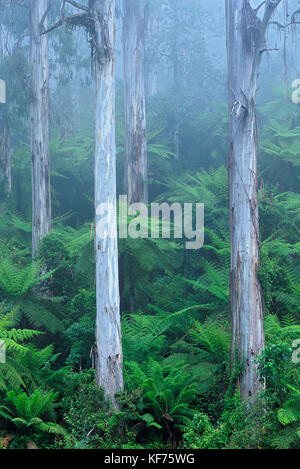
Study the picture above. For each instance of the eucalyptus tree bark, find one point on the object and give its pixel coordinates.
(5, 153)
(176, 77)
(108, 328)
(245, 45)
(98, 18)
(136, 165)
(39, 120)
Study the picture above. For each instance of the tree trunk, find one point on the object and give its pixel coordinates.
(136, 165)
(177, 78)
(5, 153)
(39, 117)
(108, 327)
(245, 45)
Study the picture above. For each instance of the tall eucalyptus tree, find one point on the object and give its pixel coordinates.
(108, 328)
(175, 57)
(246, 43)
(39, 121)
(98, 18)
(5, 153)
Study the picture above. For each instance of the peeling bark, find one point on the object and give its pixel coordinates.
(5, 153)
(39, 119)
(136, 165)
(245, 45)
(108, 327)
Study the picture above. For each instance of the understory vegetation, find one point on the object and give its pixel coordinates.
(179, 388)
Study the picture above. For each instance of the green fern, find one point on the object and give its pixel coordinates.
(12, 371)
(167, 393)
(205, 352)
(16, 284)
(145, 335)
(27, 412)
(289, 415)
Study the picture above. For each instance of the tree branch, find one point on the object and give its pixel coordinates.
(259, 7)
(293, 21)
(266, 49)
(293, 17)
(77, 5)
(270, 7)
(79, 19)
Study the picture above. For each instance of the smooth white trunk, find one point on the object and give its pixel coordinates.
(244, 43)
(5, 153)
(39, 120)
(108, 327)
(177, 77)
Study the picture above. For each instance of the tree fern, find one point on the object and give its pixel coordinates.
(27, 412)
(205, 351)
(16, 284)
(15, 340)
(145, 335)
(167, 393)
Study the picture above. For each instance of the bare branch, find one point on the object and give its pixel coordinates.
(55, 26)
(270, 7)
(80, 19)
(77, 5)
(268, 50)
(293, 17)
(259, 7)
(291, 22)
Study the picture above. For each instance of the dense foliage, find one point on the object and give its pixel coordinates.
(180, 391)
